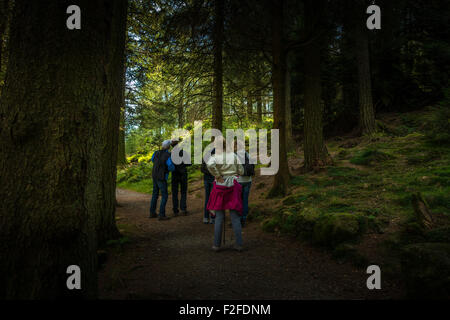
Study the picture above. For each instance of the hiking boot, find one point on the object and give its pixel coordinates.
(205, 220)
(163, 218)
(184, 212)
(152, 216)
(212, 221)
(216, 249)
(238, 248)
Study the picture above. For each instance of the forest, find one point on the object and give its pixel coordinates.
(363, 116)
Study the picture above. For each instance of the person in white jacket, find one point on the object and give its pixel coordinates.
(225, 168)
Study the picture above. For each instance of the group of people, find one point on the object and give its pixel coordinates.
(162, 166)
(227, 180)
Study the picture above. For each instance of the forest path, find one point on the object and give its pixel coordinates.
(173, 260)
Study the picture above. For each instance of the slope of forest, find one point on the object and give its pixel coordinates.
(360, 208)
(363, 162)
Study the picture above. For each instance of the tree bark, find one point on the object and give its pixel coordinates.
(259, 106)
(259, 100)
(217, 111)
(289, 140)
(366, 109)
(52, 132)
(121, 157)
(315, 151)
(115, 70)
(121, 154)
(180, 110)
(281, 181)
(249, 106)
(4, 5)
(4, 20)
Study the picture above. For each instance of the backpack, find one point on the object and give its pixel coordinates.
(180, 169)
(159, 165)
(249, 169)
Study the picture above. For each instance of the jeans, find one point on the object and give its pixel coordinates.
(245, 194)
(182, 181)
(209, 183)
(218, 227)
(157, 186)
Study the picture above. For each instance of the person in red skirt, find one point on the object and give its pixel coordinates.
(226, 193)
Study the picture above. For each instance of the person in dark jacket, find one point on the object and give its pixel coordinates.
(179, 181)
(162, 165)
(208, 180)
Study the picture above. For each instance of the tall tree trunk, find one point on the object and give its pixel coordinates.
(217, 111)
(121, 154)
(115, 70)
(366, 109)
(180, 110)
(349, 74)
(316, 153)
(249, 106)
(4, 5)
(289, 140)
(281, 181)
(51, 136)
(259, 100)
(259, 107)
(4, 20)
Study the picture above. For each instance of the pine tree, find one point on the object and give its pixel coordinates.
(54, 140)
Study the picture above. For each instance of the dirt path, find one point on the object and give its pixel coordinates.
(173, 260)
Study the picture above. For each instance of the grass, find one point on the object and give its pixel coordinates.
(137, 177)
(369, 157)
(143, 186)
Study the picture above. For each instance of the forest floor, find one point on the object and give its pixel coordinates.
(314, 243)
(173, 260)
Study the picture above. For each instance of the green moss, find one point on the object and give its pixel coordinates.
(417, 159)
(336, 228)
(300, 222)
(438, 123)
(270, 224)
(370, 157)
(338, 205)
(300, 181)
(438, 199)
(289, 201)
(398, 166)
(344, 172)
